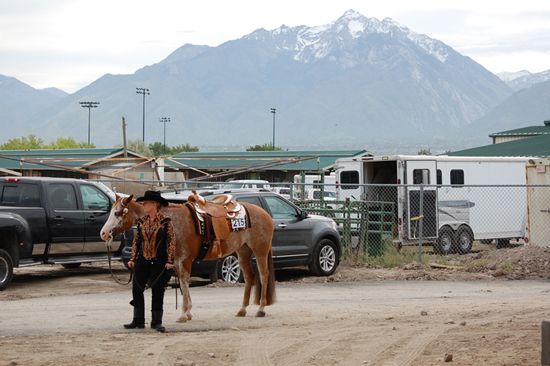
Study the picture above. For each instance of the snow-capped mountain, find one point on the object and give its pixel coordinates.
(308, 44)
(523, 79)
(354, 80)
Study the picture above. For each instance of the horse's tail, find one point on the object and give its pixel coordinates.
(271, 298)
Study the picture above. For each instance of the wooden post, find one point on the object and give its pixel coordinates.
(124, 137)
(545, 352)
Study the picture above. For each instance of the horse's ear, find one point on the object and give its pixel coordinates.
(127, 200)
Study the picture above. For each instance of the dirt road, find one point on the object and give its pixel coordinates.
(483, 322)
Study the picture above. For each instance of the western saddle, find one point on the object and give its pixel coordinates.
(216, 217)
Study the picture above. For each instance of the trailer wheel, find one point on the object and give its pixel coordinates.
(502, 243)
(464, 240)
(6, 269)
(445, 241)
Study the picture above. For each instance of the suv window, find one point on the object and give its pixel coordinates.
(252, 200)
(94, 199)
(279, 208)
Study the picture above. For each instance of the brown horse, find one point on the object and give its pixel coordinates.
(254, 240)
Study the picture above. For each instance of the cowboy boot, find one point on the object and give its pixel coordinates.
(138, 321)
(156, 322)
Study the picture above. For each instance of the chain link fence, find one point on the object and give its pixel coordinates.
(387, 221)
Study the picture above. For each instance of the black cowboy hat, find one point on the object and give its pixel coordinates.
(153, 196)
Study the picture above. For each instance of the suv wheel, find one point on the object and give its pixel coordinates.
(6, 269)
(325, 258)
(228, 270)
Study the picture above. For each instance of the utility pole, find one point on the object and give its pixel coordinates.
(273, 111)
(89, 105)
(144, 92)
(124, 137)
(164, 120)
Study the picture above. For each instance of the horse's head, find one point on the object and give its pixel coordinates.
(124, 214)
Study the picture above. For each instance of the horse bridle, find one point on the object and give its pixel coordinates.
(111, 237)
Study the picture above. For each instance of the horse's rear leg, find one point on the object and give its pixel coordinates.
(184, 272)
(265, 283)
(245, 262)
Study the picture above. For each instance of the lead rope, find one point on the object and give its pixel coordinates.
(111, 269)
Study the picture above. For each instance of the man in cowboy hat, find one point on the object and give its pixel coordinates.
(152, 254)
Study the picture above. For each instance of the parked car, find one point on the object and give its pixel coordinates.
(283, 191)
(299, 238)
(247, 183)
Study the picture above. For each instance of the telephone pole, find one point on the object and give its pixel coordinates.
(144, 92)
(89, 105)
(164, 120)
(273, 111)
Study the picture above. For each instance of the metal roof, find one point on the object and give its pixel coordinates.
(64, 157)
(536, 146)
(316, 160)
(525, 131)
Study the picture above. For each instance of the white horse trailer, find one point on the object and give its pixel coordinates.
(450, 186)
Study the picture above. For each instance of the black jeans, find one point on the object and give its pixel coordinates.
(149, 270)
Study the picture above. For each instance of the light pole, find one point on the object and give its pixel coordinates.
(164, 120)
(89, 105)
(273, 111)
(144, 92)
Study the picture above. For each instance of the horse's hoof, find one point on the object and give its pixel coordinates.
(241, 313)
(260, 314)
(181, 319)
(189, 316)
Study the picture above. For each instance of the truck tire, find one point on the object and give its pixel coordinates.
(325, 258)
(464, 239)
(6, 269)
(445, 241)
(228, 270)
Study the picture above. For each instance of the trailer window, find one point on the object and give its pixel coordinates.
(439, 177)
(350, 176)
(457, 176)
(421, 176)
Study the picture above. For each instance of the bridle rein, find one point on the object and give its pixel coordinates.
(120, 217)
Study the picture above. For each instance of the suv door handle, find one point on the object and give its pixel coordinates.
(91, 218)
(282, 225)
(58, 218)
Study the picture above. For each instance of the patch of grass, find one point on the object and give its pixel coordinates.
(388, 256)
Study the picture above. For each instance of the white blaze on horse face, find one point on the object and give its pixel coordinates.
(111, 223)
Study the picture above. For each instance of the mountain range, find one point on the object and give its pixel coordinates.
(356, 82)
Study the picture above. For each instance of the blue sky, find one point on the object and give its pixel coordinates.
(70, 43)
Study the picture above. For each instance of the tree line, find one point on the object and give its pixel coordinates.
(32, 142)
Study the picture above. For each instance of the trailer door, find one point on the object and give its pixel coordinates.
(421, 173)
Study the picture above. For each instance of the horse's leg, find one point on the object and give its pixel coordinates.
(184, 272)
(263, 271)
(245, 262)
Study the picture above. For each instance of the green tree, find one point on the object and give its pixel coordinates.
(265, 147)
(158, 149)
(425, 152)
(68, 143)
(24, 143)
(138, 146)
(183, 148)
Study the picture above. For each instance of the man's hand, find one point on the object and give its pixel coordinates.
(130, 264)
(169, 266)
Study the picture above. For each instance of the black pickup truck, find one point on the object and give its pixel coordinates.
(54, 221)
